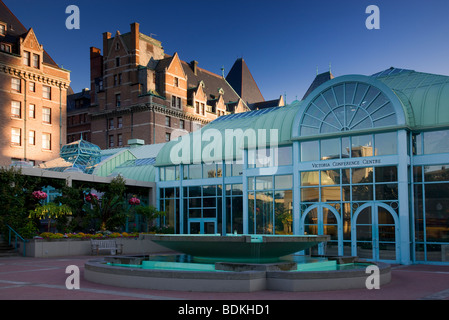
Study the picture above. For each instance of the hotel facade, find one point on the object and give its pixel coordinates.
(33, 94)
(364, 159)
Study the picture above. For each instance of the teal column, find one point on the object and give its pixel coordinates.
(245, 192)
(296, 194)
(404, 209)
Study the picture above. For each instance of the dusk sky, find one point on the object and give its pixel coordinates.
(283, 42)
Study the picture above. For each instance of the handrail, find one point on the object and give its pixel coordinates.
(11, 230)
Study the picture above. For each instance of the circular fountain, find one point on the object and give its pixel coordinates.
(235, 263)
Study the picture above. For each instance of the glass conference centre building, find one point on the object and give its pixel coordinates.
(364, 159)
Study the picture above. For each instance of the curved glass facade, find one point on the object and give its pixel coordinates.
(359, 166)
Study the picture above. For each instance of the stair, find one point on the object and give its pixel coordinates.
(7, 250)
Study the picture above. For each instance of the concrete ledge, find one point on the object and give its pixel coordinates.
(41, 248)
(99, 271)
(324, 280)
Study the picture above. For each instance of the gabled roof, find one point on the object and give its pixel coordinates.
(16, 30)
(319, 80)
(241, 79)
(212, 83)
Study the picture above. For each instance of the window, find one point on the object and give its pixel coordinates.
(26, 58)
(32, 87)
(120, 78)
(202, 109)
(32, 138)
(46, 92)
(5, 47)
(36, 61)
(118, 100)
(119, 122)
(16, 136)
(167, 137)
(111, 141)
(46, 115)
(111, 124)
(197, 107)
(176, 82)
(167, 121)
(119, 140)
(16, 84)
(32, 111)
(117, 62)
(16, 109)
(182, 124)
(178, 103)
(173, 101)
(2, 29)
(46, 141)
(115, 79)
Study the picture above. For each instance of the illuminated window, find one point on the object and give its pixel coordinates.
(46, 115)
(16, 136)
(46, 141)
(16, 109)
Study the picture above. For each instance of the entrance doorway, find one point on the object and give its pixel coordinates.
(375, 232)
(323, 219)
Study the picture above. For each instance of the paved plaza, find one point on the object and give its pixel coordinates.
(45, 279)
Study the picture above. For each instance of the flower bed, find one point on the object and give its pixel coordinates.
(49, 245)
(87, 236)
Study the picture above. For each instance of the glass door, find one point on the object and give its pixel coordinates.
(375, 232)
(202, 226)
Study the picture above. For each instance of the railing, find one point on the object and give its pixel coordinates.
(12, 233)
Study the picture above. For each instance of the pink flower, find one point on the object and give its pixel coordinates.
(134, 201)
(91, 196)
(39, 195)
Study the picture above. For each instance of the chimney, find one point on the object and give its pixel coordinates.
(194, 65)
(106, 37)
(96, 64)
(135, 34)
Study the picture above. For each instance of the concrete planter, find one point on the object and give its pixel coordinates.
(41, 248)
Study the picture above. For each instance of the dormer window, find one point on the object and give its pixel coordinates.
(5, 47)
(36, 61)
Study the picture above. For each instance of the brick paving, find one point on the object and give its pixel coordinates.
(44, 279)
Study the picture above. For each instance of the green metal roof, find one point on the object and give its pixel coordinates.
(425, 94)
(278, 118)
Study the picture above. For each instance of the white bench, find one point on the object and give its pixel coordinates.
(106, 245)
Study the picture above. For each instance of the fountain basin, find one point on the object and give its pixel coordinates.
(314, 275)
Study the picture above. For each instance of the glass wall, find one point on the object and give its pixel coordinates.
(431, 206)
(202, 205)
(270, 205)
(169, 203)
(343, 191)
(234, 208)
(380, 144)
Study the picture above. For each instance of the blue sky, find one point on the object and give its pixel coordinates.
(283, 42)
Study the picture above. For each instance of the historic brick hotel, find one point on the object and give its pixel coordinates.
(33, 95)
(140, 92)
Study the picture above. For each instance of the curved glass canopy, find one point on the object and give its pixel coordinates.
(348, 106)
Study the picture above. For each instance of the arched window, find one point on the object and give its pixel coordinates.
(348, 106)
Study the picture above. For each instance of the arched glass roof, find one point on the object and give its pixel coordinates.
(347, 106)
